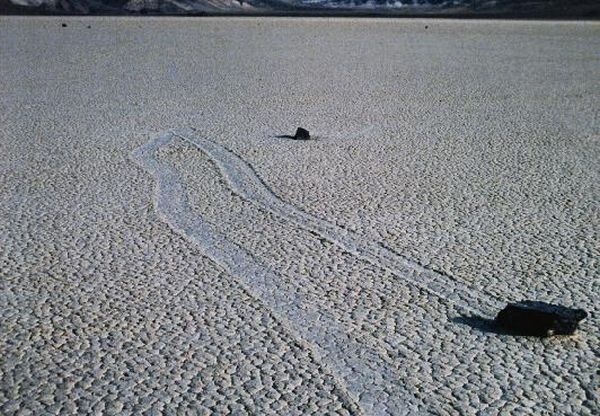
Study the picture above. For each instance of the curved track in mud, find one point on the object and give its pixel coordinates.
(244, 181)
(363, 371)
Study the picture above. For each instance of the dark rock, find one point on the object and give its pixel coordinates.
(539, 319)
(302, 134)
(64, 25)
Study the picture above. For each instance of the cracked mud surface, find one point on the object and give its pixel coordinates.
(447, 155)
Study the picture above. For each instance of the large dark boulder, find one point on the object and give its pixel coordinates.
(302, 134)
(539, 319)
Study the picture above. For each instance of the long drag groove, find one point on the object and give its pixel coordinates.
(244, 182)
(356, 364)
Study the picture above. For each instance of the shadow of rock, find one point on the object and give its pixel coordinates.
(484, 325)
(301, 134)
(289, 137)
(479, 323)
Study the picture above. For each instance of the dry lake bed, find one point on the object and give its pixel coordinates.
(162, 251)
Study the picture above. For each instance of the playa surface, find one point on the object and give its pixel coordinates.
(161, 250)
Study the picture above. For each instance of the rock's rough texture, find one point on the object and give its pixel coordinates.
(539, 318)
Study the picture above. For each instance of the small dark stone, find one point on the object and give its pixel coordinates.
(539, 319)
(426, 27)
(64, 25)
(89, 27)
(302, 134)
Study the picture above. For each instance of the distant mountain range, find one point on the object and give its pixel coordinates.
(492, 8)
